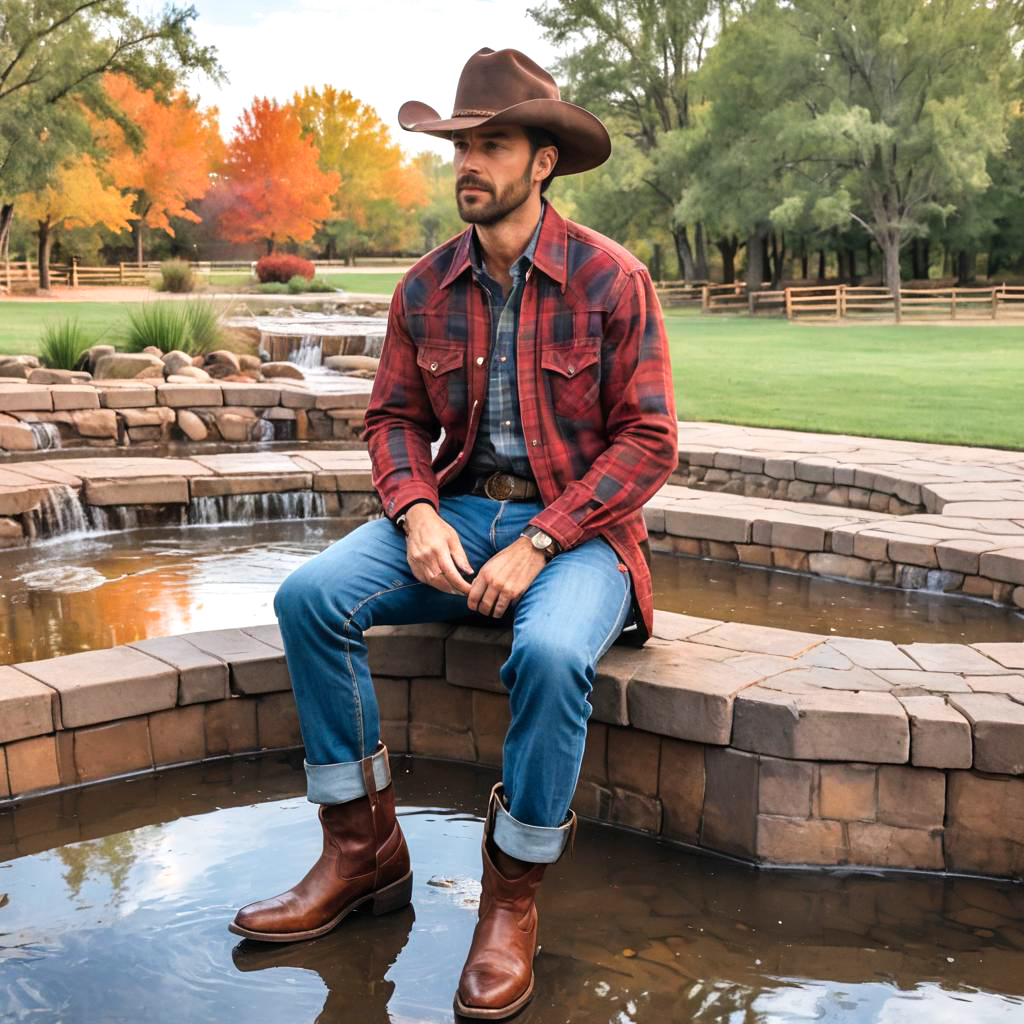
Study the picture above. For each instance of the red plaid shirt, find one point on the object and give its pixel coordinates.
(595, 389)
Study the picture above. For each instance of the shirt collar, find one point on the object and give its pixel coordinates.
(519, 265)
(549, 253)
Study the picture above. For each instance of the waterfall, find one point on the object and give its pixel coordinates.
(373, 344)
(61, 512)
(262, 430)
(310, 353)
(251, 508)
(46, 434)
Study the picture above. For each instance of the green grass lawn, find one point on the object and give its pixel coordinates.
(959, 385)
(375, 283)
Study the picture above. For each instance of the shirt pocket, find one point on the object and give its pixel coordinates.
(443, 369)
(573, 376)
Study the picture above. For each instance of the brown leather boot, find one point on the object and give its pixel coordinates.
(364, 860)
(497, 979)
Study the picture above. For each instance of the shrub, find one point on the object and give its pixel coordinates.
(299, 284)
(192, 327)
(63, 343)
(282, 267)
(272, 288)
(176, 276)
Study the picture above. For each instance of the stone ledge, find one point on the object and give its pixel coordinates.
(696, 749)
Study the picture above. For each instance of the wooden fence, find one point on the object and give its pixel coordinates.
(24, 276)
(848, 302)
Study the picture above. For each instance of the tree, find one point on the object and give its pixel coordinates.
(439, 217)
(53, 54)
(636, 60)
(79, 197)
(377, 188)
(274, 186)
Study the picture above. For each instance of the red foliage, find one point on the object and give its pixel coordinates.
(283, 266)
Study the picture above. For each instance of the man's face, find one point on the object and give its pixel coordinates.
(493, 171)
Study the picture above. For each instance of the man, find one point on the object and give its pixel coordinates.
(538, 345)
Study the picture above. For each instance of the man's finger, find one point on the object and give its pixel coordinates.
(452, 575)
(459, 554)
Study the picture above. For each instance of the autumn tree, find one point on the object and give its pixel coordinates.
(168, 164)
(275, 188)
(377, 187)
(53, 55)
(78, 197)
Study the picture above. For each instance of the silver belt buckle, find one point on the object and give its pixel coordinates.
(503, 484)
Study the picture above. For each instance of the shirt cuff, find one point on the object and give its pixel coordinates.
(559, 526)
(407, 494)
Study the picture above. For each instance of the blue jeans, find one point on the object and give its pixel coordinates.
(562, 625)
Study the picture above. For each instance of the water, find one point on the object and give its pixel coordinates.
(119, 895)
(95, 591)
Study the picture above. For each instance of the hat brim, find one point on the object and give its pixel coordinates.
(583, 141)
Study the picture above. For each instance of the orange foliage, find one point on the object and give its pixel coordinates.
(179, 144)
(276, 189)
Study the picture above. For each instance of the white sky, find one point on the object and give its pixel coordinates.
(384, 52)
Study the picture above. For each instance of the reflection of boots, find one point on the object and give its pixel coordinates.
(364, 860)
(497, 979)
(353, 964)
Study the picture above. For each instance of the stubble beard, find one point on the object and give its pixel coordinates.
(497, 208)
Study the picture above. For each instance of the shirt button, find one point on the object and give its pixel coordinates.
(571, 370)
(479, 360)
(433, 366)
(534, 442)
(504, 359)
(508, 423)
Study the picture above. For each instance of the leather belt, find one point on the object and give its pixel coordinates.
(502, 487)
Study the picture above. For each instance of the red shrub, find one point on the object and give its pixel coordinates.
(282, 267)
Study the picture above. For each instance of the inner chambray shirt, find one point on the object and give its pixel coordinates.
(500, 444)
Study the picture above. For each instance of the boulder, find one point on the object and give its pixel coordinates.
(192, 426)
(154, 351)
(150, 371)
(124, 365)
(218, 371)
(95, 422)
(344, 363)
(236, 425)
(289, 370)
(176, 359)
(11, 368)
(247, 362)
(16, 436)
(43, 375)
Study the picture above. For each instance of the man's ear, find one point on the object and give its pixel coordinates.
(547, 166)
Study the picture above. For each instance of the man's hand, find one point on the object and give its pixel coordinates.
(505, 577)
(434, 551)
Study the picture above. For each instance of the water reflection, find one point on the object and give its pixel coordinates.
(119, 896)
(97, 592)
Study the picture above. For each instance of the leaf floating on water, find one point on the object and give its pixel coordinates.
(629, 952)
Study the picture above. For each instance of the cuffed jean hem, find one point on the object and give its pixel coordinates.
(336, 783)
(535, 843)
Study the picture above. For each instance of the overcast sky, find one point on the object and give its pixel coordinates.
(383, 52)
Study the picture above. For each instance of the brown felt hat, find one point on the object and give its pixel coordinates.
(506, 87)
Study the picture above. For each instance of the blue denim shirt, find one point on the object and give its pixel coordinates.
(500, 444)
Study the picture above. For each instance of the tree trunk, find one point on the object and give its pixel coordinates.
(684, 254)
(270, 245)
(45, 240)
(891, 252)
(755, 259)
(137, 228)
(821, 264)
(6, 217)
(867, 256)
(915, 260)
(804, 268)
(702, 252)
(965, 266)
(727, 248)
(656, 262)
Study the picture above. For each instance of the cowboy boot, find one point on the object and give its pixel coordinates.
(364, 860)
(497, 979)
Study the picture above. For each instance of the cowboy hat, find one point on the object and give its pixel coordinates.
(506, 87)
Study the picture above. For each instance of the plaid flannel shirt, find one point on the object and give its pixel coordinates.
(595, 388)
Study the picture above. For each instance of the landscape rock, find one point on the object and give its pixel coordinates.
(150, 372)
(124, 365)
(13, 368)
(192, 426)
(184, 374)
(44, 375)
(176, 359)
(351, 363)
(289, 370)
(223, 355)
(247, 362)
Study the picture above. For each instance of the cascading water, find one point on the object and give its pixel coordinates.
(61, 512)
(310, 353)
(46, 434)
(252, 508)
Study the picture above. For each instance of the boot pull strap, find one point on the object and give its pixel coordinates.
(370, 784)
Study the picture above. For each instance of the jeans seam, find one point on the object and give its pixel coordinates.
(348, 658)
(494, 524)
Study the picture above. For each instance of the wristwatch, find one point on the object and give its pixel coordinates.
(542, 541)
(400, 518)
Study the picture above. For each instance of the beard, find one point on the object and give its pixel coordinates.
(488, 211)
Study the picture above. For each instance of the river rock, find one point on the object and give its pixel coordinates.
(289, 370)
(248, 362)
(351, 363)
(176, 359)
(91, 356)
(126, 364)
(95, 422)
(192, 426)
(16, 436)
(44, 375)
(186, 373)
(11, 368)
(235, 426)
(222, 355)
(154, 351)
(150, 371)
(218, 371)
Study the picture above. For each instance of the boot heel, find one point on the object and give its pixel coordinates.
(394, 896)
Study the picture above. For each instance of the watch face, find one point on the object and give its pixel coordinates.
(540, 539)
